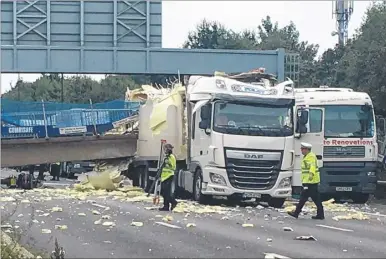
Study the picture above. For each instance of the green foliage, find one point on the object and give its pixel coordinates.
(9, 252)
(362, 65)
(268, 36)
(76, 89)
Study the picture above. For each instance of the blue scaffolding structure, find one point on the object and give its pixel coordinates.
(48, 119)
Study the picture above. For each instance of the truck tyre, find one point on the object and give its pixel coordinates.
(179, 192)
(361, 198)
(197, 187)
(276, 202)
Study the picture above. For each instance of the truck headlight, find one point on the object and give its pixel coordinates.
(217, 179)
(370, 173)
(285, 182)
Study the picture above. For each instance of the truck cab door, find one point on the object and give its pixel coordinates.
(313, 136)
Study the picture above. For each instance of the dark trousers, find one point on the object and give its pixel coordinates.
(166, 192)
(313, 193)
(55, 171)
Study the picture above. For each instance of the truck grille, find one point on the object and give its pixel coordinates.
(342, 152)
(252, 174)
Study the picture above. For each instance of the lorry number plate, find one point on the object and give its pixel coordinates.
(251, 195)
(343, 189)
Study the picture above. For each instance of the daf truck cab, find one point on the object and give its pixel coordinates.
(240, 142)
(340, 125)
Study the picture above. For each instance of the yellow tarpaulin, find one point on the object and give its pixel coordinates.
(158, 116)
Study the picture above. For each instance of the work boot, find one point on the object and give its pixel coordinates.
(174, 205)
(293, 214)
(318, 217)
(163, 208)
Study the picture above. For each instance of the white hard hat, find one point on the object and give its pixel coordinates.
(306, 145)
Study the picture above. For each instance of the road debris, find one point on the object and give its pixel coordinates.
(247, 225)
(137, 224)
(56, 209)
(6, 226)
(190, 225)
(61, 227)
(167, 218)
(355, 216)
(46, 231)
(108, 224)
(95, 212)
(288, 229)
(307, 238)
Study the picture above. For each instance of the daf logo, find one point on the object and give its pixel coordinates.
(343, 149)
(253, 156)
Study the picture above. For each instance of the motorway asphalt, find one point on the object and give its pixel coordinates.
(218, 231)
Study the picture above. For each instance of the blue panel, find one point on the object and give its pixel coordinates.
(134, 61)
(82, 23)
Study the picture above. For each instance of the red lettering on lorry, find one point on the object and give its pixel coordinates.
(345, 142)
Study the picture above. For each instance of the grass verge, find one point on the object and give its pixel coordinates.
(11, 249)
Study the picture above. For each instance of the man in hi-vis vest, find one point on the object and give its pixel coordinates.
(167, 176)
(310, 180)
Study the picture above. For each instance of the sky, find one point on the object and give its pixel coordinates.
(313, 19)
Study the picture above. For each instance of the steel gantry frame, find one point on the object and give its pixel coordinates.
(142, 19)
(19, 15)
(111, 37)
(121, 19)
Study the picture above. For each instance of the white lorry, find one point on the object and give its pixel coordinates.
(233, 137)
(340, 124)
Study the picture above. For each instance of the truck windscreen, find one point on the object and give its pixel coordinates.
(356, 121)
(252, 119)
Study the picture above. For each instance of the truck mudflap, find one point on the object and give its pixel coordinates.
(348, 178)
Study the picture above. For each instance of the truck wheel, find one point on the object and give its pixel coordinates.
(197, 187)
(276, 202)
(179, 192)
(361, 198)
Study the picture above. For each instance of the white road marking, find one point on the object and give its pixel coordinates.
(275, 256)
(374, 214)
(167, 225)
(331, 227)
(99, 206)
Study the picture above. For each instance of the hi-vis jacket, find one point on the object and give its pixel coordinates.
(310, 170)
(169, 168)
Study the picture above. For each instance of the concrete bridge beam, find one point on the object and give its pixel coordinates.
(19, 152)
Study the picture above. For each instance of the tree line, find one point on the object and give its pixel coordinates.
(360, 64)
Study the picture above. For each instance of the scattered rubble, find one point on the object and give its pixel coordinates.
(288, 229)
(137, 224)
(306, 238)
